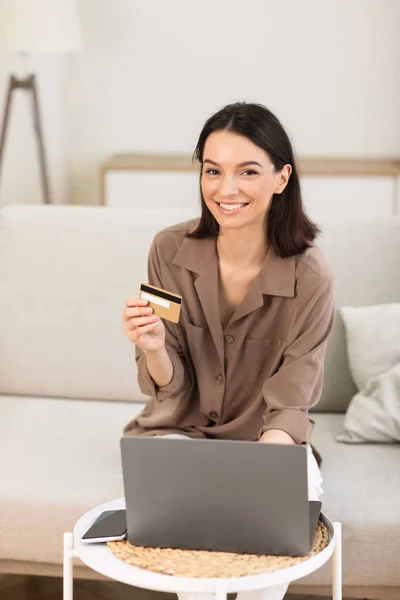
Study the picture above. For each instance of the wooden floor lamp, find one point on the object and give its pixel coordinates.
(28, 84)
(35, 27)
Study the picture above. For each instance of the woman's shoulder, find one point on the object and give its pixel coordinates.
(313, 265)
(179, 229)
(170, 238)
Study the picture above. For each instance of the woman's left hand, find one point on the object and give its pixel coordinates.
(276, 436)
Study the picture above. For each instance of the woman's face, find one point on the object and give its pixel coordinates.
(238, 180)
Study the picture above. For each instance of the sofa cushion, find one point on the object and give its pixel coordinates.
(361, 489)
(372, 339)
(58, 459)
(374, 413)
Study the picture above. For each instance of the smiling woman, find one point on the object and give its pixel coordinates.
(245, 361)
(248, 168)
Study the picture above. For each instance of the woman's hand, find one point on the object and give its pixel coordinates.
(141, 327)
(276, 436)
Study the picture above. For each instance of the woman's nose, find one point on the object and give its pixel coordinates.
(228, 186)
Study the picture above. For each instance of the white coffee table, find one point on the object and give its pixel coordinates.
(99, 558)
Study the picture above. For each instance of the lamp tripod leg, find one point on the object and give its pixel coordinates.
(6, 118)
(39, 135)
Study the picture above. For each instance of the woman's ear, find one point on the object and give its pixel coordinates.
(282, 179)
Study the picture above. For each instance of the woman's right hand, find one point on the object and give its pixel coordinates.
(141, 327)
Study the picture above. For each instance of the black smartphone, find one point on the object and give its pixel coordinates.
(110, 526)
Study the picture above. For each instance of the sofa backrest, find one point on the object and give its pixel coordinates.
(65, 272)
(365, 258)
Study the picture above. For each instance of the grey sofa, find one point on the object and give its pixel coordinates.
(68, 385)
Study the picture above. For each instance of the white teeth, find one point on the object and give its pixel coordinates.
(231, 206)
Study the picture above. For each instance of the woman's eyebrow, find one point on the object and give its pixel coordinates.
(242, 164)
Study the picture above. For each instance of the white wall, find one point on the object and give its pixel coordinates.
(152, 72)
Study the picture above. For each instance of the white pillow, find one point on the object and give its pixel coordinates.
(373, 340)
(374, 413)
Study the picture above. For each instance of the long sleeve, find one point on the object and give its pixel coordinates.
(297, 385)
(182, 378)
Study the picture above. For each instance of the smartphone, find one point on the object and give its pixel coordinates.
(110, 526)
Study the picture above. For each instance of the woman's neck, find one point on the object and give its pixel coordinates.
(241, 248)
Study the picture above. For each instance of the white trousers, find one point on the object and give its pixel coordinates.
(276, 592)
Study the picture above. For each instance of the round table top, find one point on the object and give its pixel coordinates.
(100, 558)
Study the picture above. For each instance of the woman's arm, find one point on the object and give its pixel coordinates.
(159, 366)
(166, 373)
(297, 385)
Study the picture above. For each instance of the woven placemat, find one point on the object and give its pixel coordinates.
(203, 563)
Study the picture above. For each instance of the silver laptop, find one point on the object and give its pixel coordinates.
(229, 496)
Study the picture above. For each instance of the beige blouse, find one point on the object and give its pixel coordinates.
(263, 371)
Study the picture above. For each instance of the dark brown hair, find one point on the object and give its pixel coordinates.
(288, 228)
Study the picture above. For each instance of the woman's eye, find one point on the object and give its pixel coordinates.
(249, 172)
(212, 172)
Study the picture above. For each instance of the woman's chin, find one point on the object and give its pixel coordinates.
(228, 223)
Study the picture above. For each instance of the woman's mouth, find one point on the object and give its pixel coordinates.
(226, 208)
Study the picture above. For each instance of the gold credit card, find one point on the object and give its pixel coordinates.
(165, 305)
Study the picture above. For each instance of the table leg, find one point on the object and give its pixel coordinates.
(220, 590)
(68, 581)
(337, 563)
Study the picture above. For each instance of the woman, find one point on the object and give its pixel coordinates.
(245, 361)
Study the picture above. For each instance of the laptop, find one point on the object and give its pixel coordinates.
(220, 495)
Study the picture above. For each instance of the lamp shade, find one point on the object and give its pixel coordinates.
(40, 26)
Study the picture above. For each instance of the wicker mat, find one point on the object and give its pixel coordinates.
(202, 563)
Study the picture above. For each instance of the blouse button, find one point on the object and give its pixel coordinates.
(219, 379)
(213, 415)
(229, 339)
